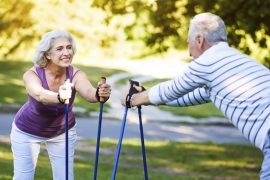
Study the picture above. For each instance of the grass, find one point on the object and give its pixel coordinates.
(166, 160)
(12, 86)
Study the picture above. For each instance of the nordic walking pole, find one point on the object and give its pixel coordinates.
(132, 90)
(102, 81)
(119, 144)
(66, 130)
(142, 142)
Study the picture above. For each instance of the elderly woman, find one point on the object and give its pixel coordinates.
(42, 117)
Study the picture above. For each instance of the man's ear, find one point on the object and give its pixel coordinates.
(200, 41)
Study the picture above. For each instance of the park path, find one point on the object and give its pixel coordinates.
(158, 124)
(87, 129)
(150, 113)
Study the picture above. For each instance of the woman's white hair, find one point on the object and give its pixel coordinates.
(208, 25)
(46, 43)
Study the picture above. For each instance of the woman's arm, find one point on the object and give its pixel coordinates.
(34, 88)
(87, 91)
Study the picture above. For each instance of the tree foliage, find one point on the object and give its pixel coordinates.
(248, 23)
(166, 21)
(134, 26)
(15, 23)
(161, 21)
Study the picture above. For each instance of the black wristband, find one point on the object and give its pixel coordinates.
(132, 90)
(62, 101)
(143, 88)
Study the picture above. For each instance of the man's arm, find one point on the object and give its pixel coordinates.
(198, 96)
(194, 76)
(141, 98)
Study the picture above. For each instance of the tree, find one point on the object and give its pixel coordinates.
(165, 22)
(15, 22)
(247, 22)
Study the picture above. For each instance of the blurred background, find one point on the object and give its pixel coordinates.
(132, 29)
(143, 39)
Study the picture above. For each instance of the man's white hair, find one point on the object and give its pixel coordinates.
(46, 43)
(208, 25)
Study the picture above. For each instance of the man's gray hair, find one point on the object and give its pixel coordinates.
(208, 25)
(46, 43)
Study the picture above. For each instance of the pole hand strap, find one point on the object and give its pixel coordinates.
(132, 91)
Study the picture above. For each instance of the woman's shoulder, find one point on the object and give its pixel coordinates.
(77, 73)
(75, 69)
(31, 70)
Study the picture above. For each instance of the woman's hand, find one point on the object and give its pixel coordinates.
(103, 92)
(65, 91)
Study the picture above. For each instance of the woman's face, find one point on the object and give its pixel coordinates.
(61, 52)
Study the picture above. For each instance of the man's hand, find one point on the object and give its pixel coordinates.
(127, 97)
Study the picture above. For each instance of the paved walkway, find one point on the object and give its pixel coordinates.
(156, 121)
(87, 129)
(150, 113)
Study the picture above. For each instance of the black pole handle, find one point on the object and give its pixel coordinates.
(132, 90)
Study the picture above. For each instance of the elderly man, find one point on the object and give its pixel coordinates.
(236, 84)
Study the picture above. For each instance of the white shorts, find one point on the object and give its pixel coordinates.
(26, 148)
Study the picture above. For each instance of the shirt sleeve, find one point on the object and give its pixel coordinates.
(198, 96)
(193, 77)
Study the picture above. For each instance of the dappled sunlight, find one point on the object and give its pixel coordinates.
(9, 100)
(154, 144)
(205, 148)
(81, 165)
(6, 156)
(166, 160)
(5, 176)
(188, 131)
(134, 143)
(226, 164)
(18, 82)
(150, 144)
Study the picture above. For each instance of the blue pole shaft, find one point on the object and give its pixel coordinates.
(119, 144)
(143, 147)
(66, 130)
(98, 139)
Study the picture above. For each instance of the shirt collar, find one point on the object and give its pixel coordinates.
(214, 48)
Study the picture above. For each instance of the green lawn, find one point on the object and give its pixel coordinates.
(166, 160)
(13, 91)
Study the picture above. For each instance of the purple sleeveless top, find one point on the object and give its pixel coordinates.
(45, 120)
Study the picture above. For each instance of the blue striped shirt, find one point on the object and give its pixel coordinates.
(236, 84)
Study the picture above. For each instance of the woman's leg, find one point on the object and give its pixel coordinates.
(56, 151)
(25, 150)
